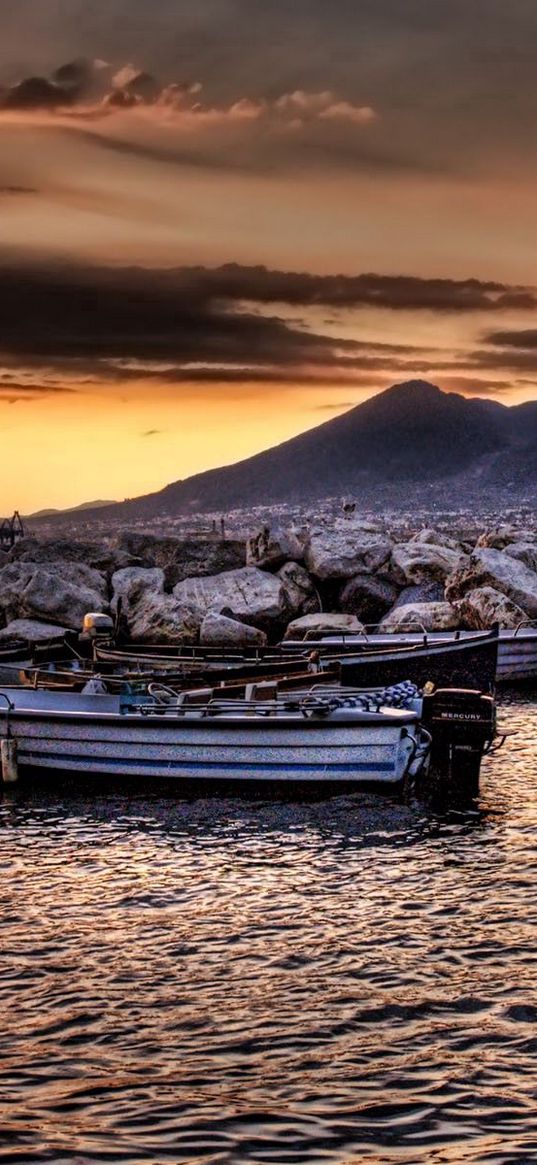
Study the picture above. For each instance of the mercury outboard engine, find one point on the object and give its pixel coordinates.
(462, 723)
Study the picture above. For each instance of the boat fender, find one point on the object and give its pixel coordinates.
(8, 761)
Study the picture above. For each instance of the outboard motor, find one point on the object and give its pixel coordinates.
(462, 723)
(96, 625)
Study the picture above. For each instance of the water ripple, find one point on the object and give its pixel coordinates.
(222, 982)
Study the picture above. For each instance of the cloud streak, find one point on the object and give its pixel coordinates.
(227, 326)
(91, 89)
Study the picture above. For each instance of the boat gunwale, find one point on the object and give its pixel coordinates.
(262, 720)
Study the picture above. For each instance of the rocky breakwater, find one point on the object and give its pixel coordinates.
(343, 576)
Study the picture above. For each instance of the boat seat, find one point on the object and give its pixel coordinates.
(195, 697)
(263, 691)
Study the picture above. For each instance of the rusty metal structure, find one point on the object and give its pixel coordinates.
(11, 529)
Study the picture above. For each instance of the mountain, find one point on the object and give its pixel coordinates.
(72, 509)
(409, 444)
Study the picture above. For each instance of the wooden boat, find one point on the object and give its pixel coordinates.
(15, 651)
(517, 649)
(467, 663)
(322, 737)
(73, 676)
(464, 661)
(460, 663)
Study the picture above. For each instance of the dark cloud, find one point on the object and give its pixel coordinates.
(331, 407)
(36, 93)
(524, 339)
(396, 292)
(16, 391)
(194, 313)
(16, 190)
(477, 386)
(68, 84)
(218, 326)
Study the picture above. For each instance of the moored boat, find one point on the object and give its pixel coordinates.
(459, 663)
(315, 736)
(517, 648)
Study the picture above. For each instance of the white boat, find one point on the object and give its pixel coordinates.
(517, 649)
(319, 735)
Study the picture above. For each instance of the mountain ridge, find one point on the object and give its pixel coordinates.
(409, 438)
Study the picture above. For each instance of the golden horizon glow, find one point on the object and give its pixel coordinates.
(302, 182)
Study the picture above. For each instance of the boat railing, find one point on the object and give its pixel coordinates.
(365, 633)
(265, 700)
(525, 623)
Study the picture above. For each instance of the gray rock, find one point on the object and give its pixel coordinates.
(367, 597)
(132, 583)
(162, 619)
(502, 572)
(219, 631)
(59, 550)
(418, 616)
(300, 593)
(525, 552)
(431, 537)
(31, 630)
(419, 562)
(152, 615)
(271, 548)
(60, 593)
(248, 595)
(429, 592)
(481, 608)
(343, 553)
(499, 538)
(323, 623)
(182, 558)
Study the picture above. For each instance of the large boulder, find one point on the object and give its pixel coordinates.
(58, 550)
(418, 562)
(367, 597)
(492, 568)
(196, 558)
(60, 593)
(345, 552)
(525, 552)
(132, 583)
(30, 629)
(219, 631)
(324, 623)
(422, 616)
(269, 548)
(300, 593)
(427, 592)
(152, 616)
(430, 537)
(182, 558)
(249, 595)
(481, 609)
(158, 618)
(499, 538)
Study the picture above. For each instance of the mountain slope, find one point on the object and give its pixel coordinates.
(410, 438)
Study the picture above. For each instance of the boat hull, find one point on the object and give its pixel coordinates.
(226, 748)
(464, 663)
(516, 661)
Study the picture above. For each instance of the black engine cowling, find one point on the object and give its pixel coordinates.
(462, 723)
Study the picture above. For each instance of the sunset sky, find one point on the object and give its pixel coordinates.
(223, 223)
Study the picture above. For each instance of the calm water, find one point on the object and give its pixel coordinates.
(226, 982)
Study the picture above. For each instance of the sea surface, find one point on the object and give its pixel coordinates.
(224, 981)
